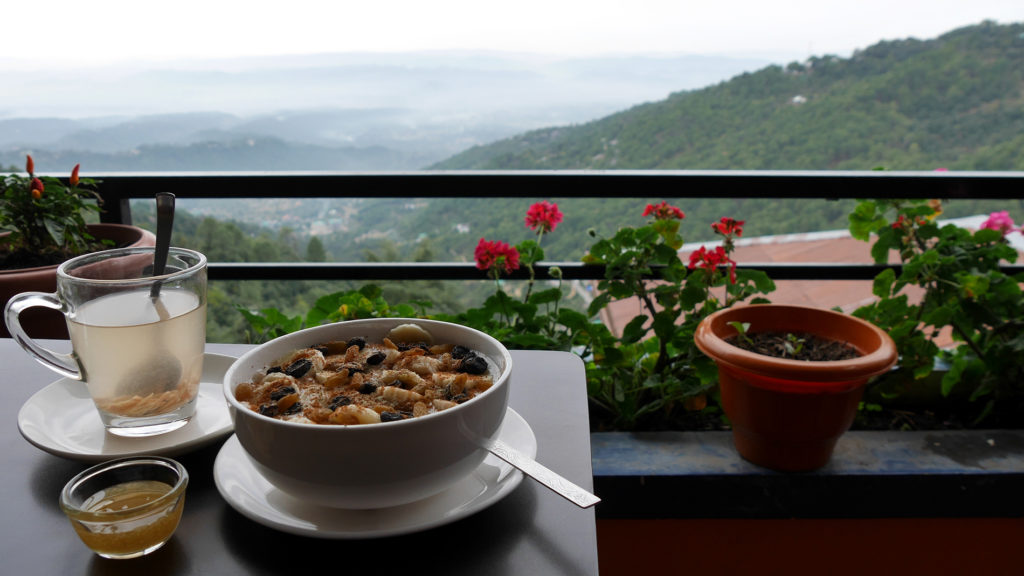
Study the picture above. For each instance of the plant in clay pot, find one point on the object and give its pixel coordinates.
(43, 223)
(44, 218)
(788, 413)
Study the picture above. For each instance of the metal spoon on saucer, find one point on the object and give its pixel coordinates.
(550, 479)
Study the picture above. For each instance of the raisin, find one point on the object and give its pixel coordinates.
(368, 388)
(376, 358)
(460, 398)
(294, 408)
(473, 365)
(298, 368)
(358, 342)
(339, 400)
(281, 393)
(274, 369)
(390, 416)
(322, 349)
(459, 352)
(269, 410)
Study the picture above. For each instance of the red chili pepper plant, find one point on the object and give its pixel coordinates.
(44, 217)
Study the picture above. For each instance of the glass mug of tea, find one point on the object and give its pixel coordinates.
(137, 340)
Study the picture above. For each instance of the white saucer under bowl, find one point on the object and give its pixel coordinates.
(254, 497)
(62, 420)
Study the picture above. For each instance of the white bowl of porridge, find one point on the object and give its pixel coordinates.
(369, 413)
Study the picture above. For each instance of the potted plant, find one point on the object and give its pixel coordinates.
(42, 223)
(787, 413)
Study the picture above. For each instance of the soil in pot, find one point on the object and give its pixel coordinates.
(794, 346)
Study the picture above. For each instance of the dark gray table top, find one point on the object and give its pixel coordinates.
(532, 531)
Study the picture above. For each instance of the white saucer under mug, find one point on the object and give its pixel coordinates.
(62, 420)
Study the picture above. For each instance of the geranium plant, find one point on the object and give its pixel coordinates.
(653, 371)
(532, 319)
(44, 217)
(965, 292)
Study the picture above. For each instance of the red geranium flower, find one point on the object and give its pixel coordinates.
(496, 255)
(712, 259)
(544, 215)
(728, 227)
(663, 211)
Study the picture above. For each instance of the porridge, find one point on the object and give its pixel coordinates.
(405, 375)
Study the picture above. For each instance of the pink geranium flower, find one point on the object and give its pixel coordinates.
(999, 221)
(544, 216)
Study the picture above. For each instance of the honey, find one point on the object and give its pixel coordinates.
(120, 521)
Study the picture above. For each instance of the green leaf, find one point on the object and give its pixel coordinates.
(952, 377)
(546, 296)
(882, 286)
(761, 280)
(371, 291)
(940, 316)
(598, 304)
(634, 330)
(887, 240)
(694, 292)
(529, 252)
(987, 235)
(864, 220)
(572, 319)
(664, 325)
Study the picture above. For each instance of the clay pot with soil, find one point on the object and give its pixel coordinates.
(787, 412)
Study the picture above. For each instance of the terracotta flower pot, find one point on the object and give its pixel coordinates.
(788, 414)
(43, 323)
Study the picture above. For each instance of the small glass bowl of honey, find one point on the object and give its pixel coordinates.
(127, 507)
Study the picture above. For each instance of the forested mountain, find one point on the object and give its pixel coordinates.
(956, 101)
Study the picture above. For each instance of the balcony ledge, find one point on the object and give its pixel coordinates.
(920, 474)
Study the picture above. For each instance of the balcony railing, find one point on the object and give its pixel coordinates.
(118, 188)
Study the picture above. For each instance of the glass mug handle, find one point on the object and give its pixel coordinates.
(63, 364)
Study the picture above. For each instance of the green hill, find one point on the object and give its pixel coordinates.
(956, 101)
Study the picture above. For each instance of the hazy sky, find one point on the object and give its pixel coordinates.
(107, 31)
